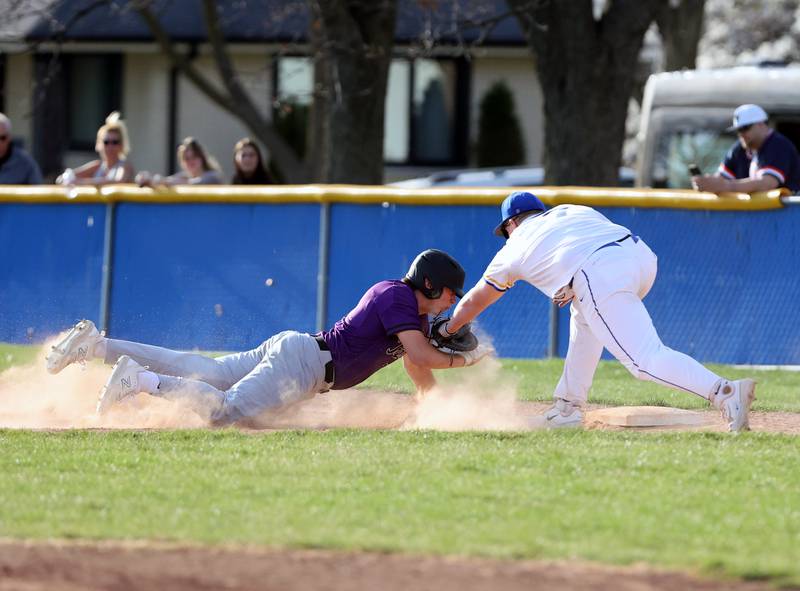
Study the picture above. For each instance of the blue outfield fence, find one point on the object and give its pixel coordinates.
(225, 269)
(51, 259)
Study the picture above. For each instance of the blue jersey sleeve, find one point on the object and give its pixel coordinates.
(728, 168)
(775, 159)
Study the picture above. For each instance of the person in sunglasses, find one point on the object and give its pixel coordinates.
(16, 166)
(761, 160)
(113, 166)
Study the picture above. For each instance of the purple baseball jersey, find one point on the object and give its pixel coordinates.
(366, 339)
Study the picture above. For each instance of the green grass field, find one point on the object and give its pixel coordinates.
(724, 504)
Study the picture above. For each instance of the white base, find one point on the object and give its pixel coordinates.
(646, 416)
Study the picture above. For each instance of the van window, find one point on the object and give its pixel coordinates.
(682, 136)
(678, 148)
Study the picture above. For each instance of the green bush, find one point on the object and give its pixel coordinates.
(499, 136)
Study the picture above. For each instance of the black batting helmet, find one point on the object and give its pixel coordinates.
(440, 269)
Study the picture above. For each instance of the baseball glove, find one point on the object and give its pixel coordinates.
(462, 340)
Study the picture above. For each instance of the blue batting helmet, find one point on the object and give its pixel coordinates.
(516, 203)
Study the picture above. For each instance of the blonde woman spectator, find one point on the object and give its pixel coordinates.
(198, 168)
(113, 166)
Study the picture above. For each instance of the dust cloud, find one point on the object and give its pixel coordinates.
(31, 398)
(481, 397)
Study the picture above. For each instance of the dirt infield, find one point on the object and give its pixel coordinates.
(31, 398)
(123, 567)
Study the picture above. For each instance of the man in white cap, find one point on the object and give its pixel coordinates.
(762, 159)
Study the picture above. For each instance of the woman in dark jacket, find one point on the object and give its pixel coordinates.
(249, 164)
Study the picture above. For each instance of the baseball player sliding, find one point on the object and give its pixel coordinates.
(574, 254)
(390, 322)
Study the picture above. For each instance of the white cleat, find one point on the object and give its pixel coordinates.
(77, 346)
(124, 382)
(733, 399)
(563, 413)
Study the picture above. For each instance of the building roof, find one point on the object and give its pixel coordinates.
(270, 21)
(18, 17)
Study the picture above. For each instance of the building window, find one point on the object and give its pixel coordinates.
(294, 87)
(426, 111)
(2, 82)
(94, 89)
(433, 111)
(295, 80)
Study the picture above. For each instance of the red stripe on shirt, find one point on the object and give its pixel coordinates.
(726, 172)
(777, 173)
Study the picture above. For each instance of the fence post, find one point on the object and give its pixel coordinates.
(322, 267)
(108, 256)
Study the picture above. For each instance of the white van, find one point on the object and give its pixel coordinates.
(685, 115)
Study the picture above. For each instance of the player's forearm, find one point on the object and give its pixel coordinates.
(422, 354)
(765, 183)
(431, 358)
(472, 304)
(421, 376)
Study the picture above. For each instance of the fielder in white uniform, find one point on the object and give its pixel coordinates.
(572, 253)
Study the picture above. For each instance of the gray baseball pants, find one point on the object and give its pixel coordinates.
(287, 368)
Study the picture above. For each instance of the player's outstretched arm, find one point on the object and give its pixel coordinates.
(421, 353)
(475, 301)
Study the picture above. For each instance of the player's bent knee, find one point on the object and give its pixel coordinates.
(634, 369)
(642, 368)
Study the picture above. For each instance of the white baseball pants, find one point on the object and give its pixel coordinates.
(607, 311)
(287, 368)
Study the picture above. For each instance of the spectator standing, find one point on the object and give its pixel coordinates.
(762, 159)
(198, 168)
(16, 165)
(249, 165)
(113, 147)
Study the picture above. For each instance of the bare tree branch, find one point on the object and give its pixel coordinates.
(180, 60)
(290, 165)
(236, 102)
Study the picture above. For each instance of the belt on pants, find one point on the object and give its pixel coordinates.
(329, 373)
(615, 242)
(612, 243)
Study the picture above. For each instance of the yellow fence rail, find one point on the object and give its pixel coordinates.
(597, 197)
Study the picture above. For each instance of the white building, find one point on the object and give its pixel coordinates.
(57, 84)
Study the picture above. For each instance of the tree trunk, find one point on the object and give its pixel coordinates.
(681, 27)
(586, 68)
(355, 40)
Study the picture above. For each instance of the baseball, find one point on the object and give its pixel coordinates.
(268, 282)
